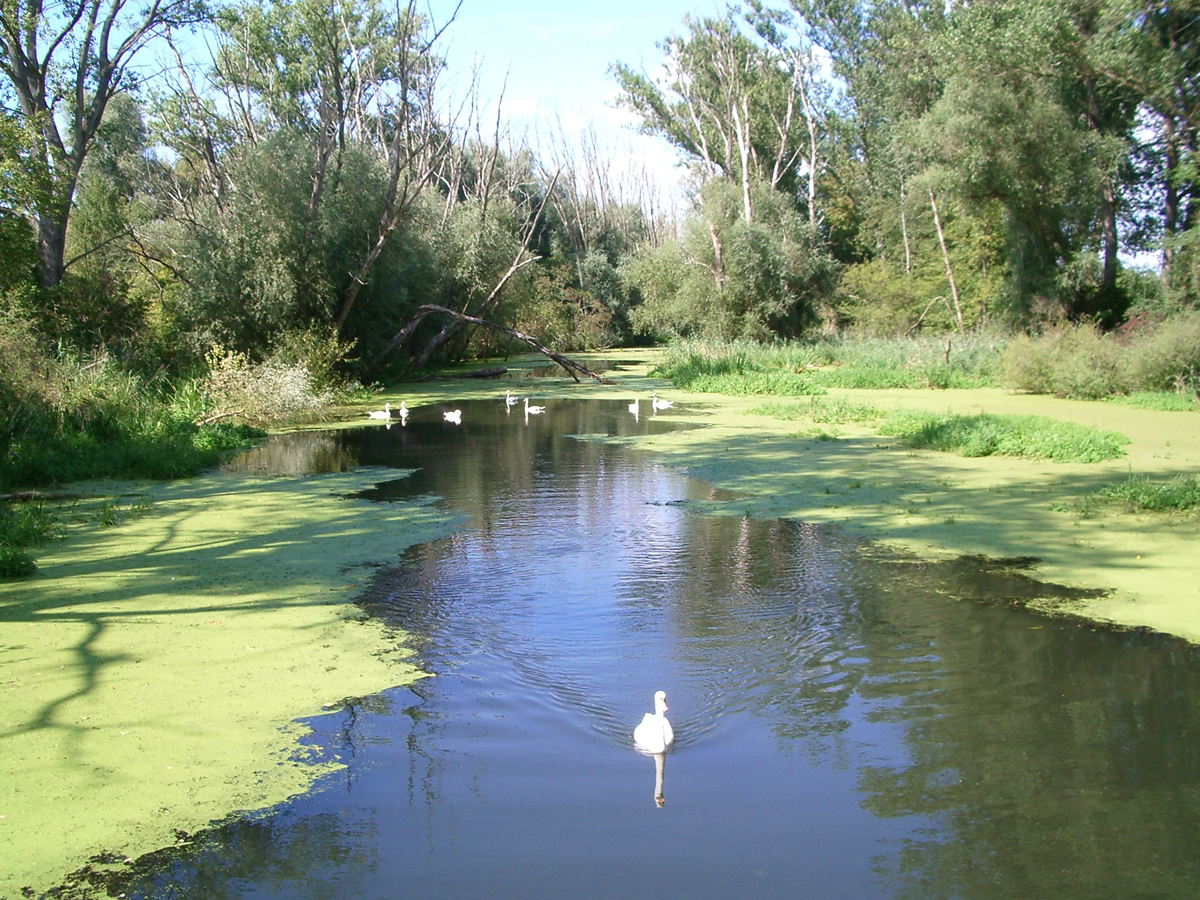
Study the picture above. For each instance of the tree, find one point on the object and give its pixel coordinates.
(65, 60)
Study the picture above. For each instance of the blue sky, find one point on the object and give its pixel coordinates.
(557, 54)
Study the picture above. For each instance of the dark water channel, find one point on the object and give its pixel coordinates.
(850, 724)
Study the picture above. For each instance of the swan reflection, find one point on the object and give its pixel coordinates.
(660, 765)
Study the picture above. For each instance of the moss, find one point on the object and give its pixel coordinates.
(152, 674)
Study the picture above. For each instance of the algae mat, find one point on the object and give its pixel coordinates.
(152, 673)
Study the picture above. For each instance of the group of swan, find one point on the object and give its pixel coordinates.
(454, 416)
(655, 405)
(386, 414)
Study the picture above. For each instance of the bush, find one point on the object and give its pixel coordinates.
(1080, 361)
(271, 391)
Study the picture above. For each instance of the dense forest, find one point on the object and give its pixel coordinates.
(197, 199)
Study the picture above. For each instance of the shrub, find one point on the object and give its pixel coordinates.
(269, 391)
(1080, 361)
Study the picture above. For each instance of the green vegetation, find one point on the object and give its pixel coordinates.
(1030, 437)
(1139, 493)
(1082, 361)
(22, 526)
(1160, 400)
(803, 368)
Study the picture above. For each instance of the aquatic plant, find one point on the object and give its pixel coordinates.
(1140, 493)
(1031, 437)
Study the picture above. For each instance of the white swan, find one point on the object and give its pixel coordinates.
(509, 399)
(403, 413)
(660, 404)
(655, 734)
(455, 416)
(633, 408)
(533, 410)
(385, 413)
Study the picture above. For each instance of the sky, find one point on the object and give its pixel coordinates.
(556, 57)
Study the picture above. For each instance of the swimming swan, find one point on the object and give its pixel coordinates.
(385, 413)
(654, 735)
(403, 413)
(509, 399)
(661, 404)
(455, 416)
(633, 408)
(533, 410)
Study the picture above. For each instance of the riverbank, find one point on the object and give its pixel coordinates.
(154, 671)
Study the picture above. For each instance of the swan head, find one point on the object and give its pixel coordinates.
(387, 407)
(660, 702)
(403, 408)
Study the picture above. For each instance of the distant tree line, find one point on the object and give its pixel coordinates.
(311, 182)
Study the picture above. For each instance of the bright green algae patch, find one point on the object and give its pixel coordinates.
(151, 674)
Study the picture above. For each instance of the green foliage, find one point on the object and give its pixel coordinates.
(1031, 437)
(824, 410)
(22, 526)
(1160, 400)
(799, 368)
(1140, 493)
(1081, 361)
(727, 278)
(66, 418)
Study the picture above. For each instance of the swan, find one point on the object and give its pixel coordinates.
(661, 404)
(455, 416)
(509, 399)
(654, 735)
(385, 413)
(403, 413)
(633, 408)
(533, 410)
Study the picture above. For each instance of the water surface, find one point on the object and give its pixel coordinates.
(850, 723)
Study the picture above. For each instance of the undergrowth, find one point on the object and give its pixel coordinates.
(798, 369)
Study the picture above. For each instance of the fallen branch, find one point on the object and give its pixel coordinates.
(494, 372)
(211, 419)
(429, 308)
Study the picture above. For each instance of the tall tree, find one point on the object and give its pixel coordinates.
(65, 61)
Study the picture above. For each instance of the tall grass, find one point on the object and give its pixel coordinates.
(798, 369)
(65, 417)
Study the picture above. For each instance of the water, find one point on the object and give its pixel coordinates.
(850, 723)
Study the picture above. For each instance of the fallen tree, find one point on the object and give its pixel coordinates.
(573, 368)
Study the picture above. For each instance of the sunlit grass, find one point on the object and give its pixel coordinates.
(1030, 437)
(798, 369)
(1139, 493)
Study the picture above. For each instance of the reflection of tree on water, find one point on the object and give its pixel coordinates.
(1052, 754)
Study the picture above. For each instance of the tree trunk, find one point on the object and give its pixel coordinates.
(52, 245)
(946, 256)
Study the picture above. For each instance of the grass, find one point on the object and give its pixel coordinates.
(1165, 401)
(24, 525)
(1139, 493)
(1029, 437)
(742, 368)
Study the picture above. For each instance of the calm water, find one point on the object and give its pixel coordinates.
(849, 723)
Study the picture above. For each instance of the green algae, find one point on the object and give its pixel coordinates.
(152, 674)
